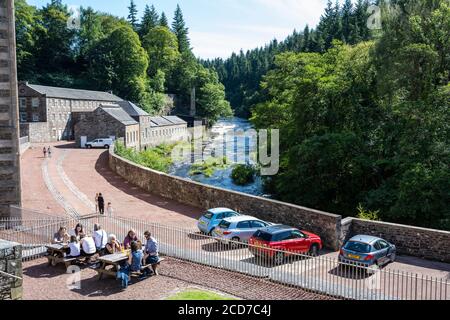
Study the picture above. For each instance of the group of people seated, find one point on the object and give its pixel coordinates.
(81, 243)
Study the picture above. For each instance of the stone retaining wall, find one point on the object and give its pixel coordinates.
(334, 231)
(11, 263)
(203, 196)
(414, 241)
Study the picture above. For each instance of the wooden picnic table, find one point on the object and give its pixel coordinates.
(56, 254)
(115, 260)
(111, 260)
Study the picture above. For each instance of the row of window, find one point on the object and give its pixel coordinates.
(24, 117)
(132, 136)
(74, 103)
(34, 103)
(61, 116)
(162, 132)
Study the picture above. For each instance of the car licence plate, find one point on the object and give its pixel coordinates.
(354, 256)
(202, 222)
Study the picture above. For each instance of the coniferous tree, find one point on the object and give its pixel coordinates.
(132, 16)
(163, 22)
(347, 12)
(181, 31)
(149, 20)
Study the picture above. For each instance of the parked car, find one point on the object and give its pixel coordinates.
(100, 143)
(238, 229)
(367, 251)
(212, 218)
(283, 238)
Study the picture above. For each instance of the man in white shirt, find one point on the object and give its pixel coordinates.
(100, 237)
(88, 245)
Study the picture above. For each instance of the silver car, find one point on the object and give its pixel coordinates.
(238, 229)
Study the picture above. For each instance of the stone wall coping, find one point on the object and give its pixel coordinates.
(4, 244)
(418, 229)
(111, 151)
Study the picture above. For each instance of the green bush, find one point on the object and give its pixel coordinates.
(243, 174)
(157, 158)
(367, 214)
(209, 166)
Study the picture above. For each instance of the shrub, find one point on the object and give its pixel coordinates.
(243, 174)
(367, 214)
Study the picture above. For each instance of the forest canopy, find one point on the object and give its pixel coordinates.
(138, 60)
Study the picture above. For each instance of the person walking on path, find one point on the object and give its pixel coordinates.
(49, 151)
(101, 204)
(109, 209)
(96, 203)
(45, 152)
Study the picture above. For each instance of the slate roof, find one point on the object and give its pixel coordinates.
(118, 113)
(160, 121)
(75, 94)
(175, 120)
(132, 109)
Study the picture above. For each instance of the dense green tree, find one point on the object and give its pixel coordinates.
(119, 63)
(181, 31)
(162, 47)
(163, 22)
(132, 15)
(149, 20)
(27, 25)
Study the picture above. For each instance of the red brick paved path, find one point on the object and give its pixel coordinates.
(82, 173)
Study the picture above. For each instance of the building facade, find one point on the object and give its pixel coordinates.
(9, 123)
(46, 112)
(108, 120)
(125, 120)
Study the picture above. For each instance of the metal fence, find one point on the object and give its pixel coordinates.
(316, 274)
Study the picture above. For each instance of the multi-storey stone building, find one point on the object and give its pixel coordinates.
(9, 124)
(46, 112)
(126, 120)
(108, 120)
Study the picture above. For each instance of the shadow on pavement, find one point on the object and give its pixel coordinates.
(102, 167)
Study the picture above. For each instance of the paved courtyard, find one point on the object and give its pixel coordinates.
(66, 184)
(42, 282)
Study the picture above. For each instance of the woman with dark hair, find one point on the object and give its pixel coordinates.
(134, 264)
(78, 232)
(131, 236)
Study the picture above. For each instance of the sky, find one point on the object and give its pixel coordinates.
(219, 27)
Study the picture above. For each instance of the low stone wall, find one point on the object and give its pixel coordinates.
(11, 263)
(414, 241)
(38, 132)
(203, 196)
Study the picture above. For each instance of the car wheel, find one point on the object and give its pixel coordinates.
(393, 257)
(279, 258)
(89, 146)
(234, 244)
(211, 231)
(106, 146)
(314, 250)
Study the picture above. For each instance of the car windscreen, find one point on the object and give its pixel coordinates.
(358, 247)
(208, 215)
(224, 224)
(264, 236)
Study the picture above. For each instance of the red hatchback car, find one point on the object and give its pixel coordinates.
(266, 242)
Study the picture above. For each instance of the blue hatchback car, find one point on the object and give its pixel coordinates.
(211, 219)
(367, 251)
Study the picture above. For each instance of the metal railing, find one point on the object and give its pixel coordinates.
(319, 274)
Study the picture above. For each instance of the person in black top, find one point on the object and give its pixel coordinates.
(101, 203)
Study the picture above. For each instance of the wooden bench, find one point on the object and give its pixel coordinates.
(54, 260)
(148, 266)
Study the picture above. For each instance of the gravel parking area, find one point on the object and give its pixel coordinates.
(43, 282)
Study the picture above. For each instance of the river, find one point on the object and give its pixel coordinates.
(238, 147)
